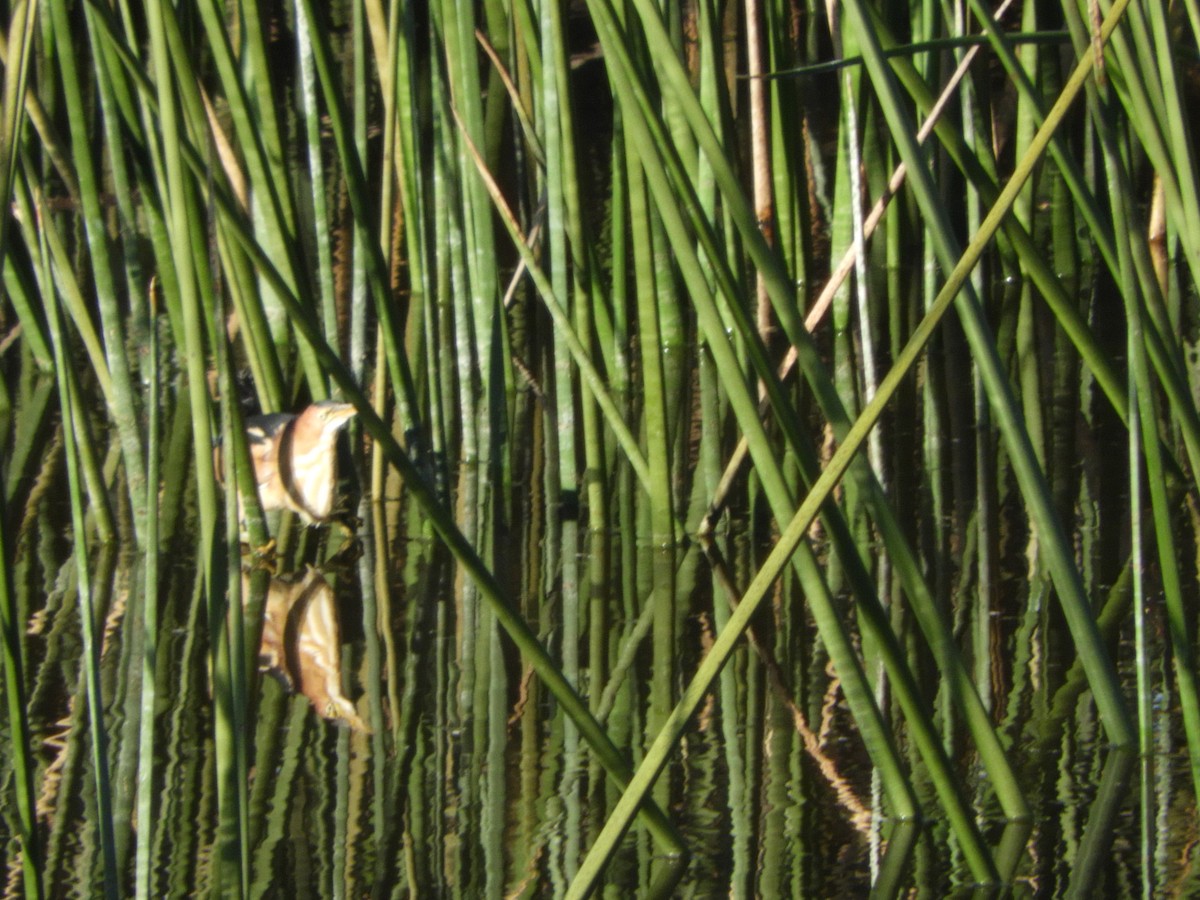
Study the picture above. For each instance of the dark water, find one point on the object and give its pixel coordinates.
(464, 779)
(398, 744)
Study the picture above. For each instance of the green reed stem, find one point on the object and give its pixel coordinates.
(563, 240)
(16, 71)
(121, 402)
(18, 719)
(251, 112)
(1095, 845)
(1051, 538)
(67, 284)
(1045, 277)
(88, 615)
(1184, 658)
(874, 617)
(929, 616)
(1154, 65)
(358, 196)
(1063, 158)
(444, 525)
(792, 536)
(777, 493)
(143, 874)
(592, 378)
(187, 247)
(1164, 356)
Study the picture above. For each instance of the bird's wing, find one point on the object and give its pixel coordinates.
(268, 425)
(262, 433)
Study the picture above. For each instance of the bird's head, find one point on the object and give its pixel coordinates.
(322, 421)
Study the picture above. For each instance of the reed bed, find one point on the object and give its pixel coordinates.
(776, 429)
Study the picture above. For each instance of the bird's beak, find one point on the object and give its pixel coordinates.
(339, 415)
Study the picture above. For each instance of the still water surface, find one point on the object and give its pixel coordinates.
(443, 769)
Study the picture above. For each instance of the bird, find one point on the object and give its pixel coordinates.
(295, 458)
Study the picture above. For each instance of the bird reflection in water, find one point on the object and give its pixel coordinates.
(301, 642)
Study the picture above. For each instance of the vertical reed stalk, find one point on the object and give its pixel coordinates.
(89, 616)
(18, 720)
(143, 864)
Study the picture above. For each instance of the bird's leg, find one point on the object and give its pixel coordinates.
(263, 556)
(347, 520)
(347, 553)
(348, 550)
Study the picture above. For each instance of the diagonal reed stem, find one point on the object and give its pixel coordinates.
(655, 759)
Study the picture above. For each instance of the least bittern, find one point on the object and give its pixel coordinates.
(295, 458)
